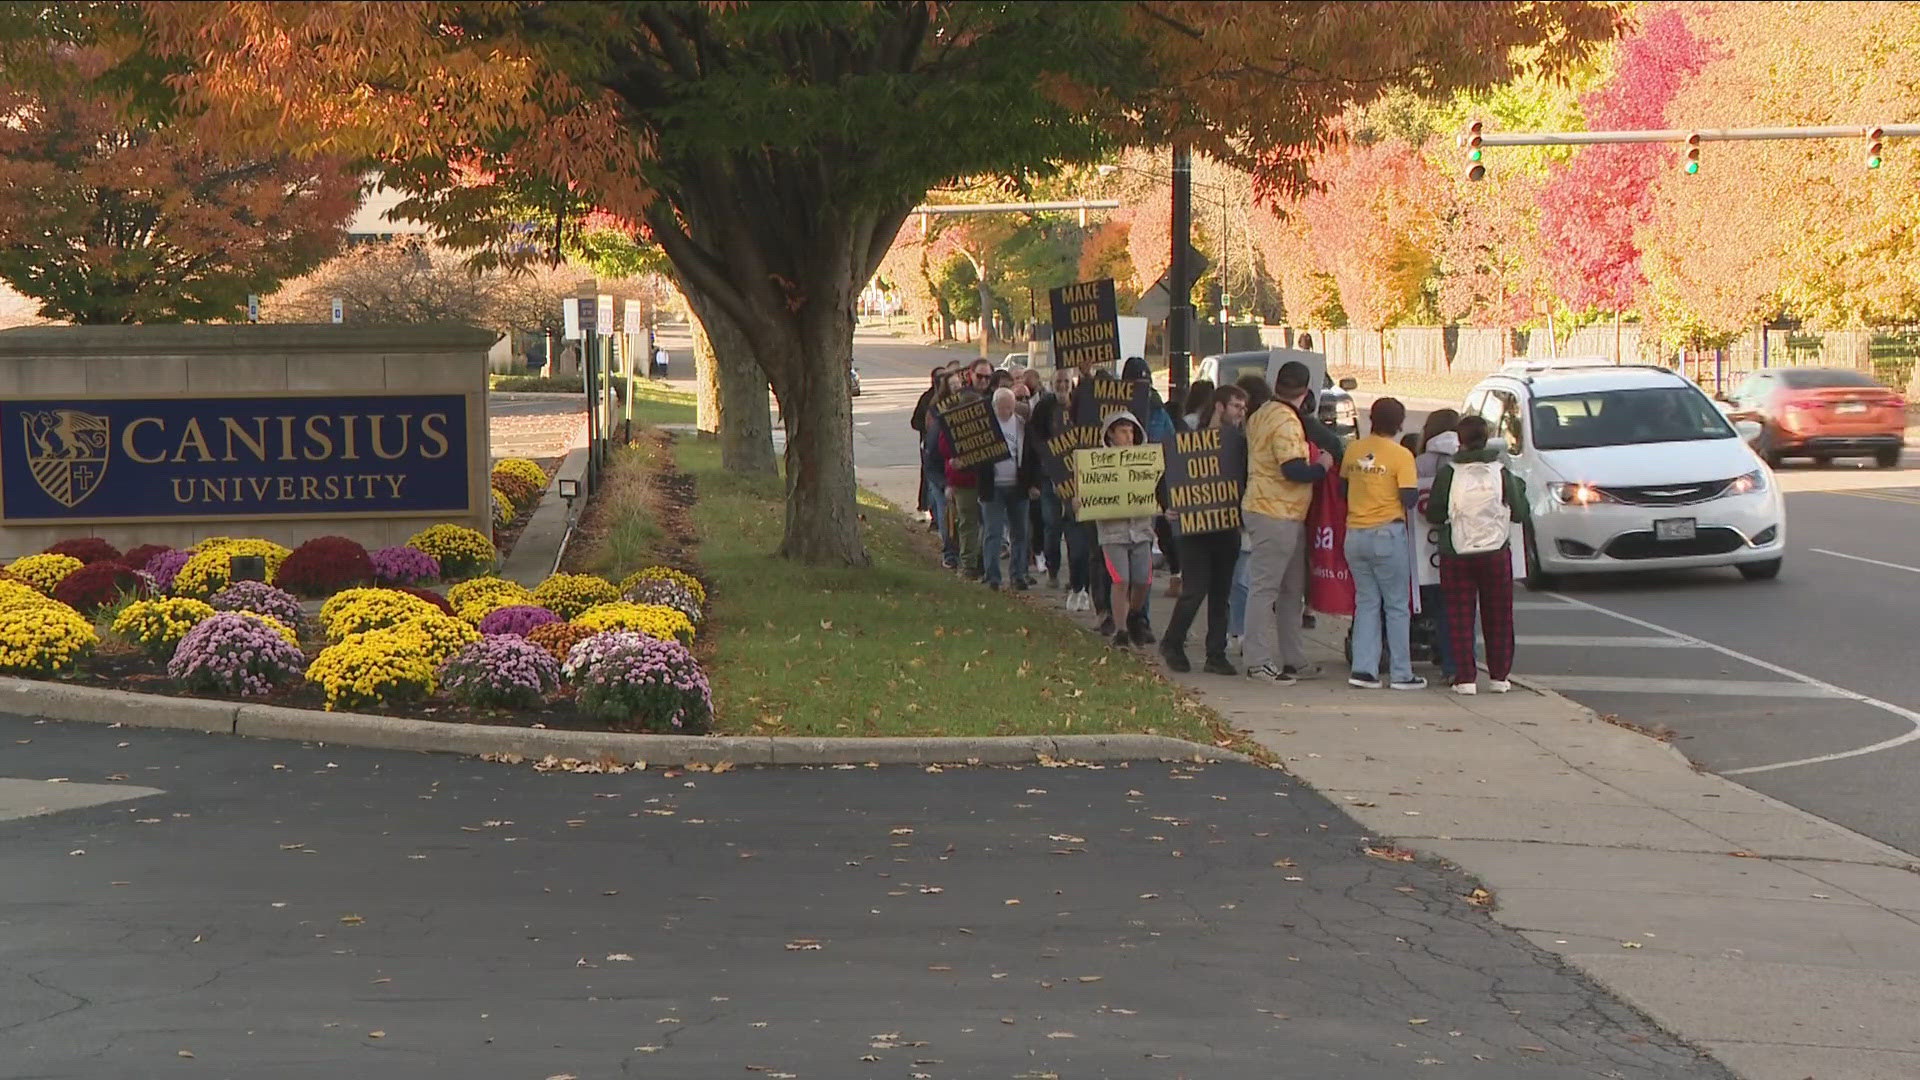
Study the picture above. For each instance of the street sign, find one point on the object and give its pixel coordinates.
(603, 314)
(1154, 302)
(632, 314)
(339, 310)
(570, 316)
(253, 307)
(589, 313)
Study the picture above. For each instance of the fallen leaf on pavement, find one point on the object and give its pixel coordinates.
(1391, 854)
(352, 920)
(376, 1034)
(1479, 898)
(1285, 864)
(1418, 1020)
(1091, 978)
(184, 1053)
(619, 956)
(803, 945)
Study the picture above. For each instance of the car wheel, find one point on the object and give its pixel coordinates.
(1823, 461)
(1769, 453)
(1888, 459)
(1538, 580)
(1760, 571)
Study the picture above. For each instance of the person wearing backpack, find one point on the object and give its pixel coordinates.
(1474, 500)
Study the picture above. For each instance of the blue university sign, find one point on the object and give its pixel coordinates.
(91, 459)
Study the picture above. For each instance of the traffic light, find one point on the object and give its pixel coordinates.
(1875, 138)
(1693, 153)
(1476, 169)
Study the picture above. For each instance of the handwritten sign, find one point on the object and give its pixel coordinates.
(1116, 481)
(1086, 324)
(1056, 457)
(1206, 471)
(977, 439)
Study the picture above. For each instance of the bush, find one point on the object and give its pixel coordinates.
(211, 567)
(503, 509)
(43, 572)
(567, 595)
(501, 672)
(437, 636)
(524, 470)
(88, 549)
(666, 593)
(237, 652)
(165, 566)
(357, 611)
(41, 637)
(261, 599)
(653, 620)
(324, 565)
(516, 619)
(461, 551)
(439, 602)
(476, 599)
(517, 490)
(538, 384)
(374, 668)
(558, 638)
(628, 679)
(157, 625)
(98, 585)
(667, 573)
(404, 565)
(139, 557)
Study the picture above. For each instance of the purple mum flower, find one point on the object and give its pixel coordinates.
(165, 566)
(404, 566)
(518, 620)
(235, 653)
(501, 671)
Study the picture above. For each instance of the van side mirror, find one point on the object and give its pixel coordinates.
(1349, 383)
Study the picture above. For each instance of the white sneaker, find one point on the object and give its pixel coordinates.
(1415, 683)
(1465, 689)
(1073, 601)
(1499, 686)
(1080, 600)
(1234, 642)
(1265, 673)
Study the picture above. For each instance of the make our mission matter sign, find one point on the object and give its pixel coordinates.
(106, 459)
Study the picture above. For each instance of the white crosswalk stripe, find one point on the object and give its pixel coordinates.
(1639, 684)
(1579, 641)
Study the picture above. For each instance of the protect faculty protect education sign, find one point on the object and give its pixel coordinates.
(95, 459)
(975, 433)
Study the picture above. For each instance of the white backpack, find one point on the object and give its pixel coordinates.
(1476, 507)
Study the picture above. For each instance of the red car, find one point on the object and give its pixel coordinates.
(1821, 413)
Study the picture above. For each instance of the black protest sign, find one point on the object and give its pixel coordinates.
(1206, 473)
(1086, 324)
(973, 430)
(1101, 396)
(1056, 457)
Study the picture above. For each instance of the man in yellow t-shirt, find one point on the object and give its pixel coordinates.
(1381, 486)
(1282, 468)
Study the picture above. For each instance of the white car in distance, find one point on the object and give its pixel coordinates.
(1630, 468)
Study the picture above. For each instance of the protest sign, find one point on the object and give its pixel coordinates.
(1099, 397)
(1206, 471)
(1056, 457)
(975, 433)
(1116, 481)
(1086, 326)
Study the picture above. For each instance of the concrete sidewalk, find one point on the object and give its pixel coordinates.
(1784, 945)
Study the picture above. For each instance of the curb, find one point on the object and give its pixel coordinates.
(66, 702)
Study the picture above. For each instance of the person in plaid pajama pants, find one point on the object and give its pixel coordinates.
(1482, 579)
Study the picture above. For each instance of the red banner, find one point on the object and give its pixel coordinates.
(1329, 582)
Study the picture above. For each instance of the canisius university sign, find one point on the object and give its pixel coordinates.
(104, 458)
(168, 433)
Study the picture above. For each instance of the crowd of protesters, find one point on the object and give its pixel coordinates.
(1252, 579)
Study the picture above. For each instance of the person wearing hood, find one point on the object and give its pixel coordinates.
(1161, 426)
(1437, 445)
(1474, 499)
(1127, 544)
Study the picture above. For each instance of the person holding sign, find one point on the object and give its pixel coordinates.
(1382, 486)
(1209, 540)
(1280, 480)
(1126, 538)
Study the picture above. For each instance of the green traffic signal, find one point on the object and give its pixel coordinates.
(1692, 167)
(1474, 154)
(1873, 162)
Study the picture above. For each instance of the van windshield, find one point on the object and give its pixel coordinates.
(1626, 418)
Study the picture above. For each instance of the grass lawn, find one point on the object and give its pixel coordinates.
(654, 402)
(903, 648)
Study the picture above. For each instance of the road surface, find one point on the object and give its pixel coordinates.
(1802, 688)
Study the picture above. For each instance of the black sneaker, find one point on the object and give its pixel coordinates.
(1021, 584)
(1120, 639)
(1219, 666)
(1176, 660)
(1053, 579)
(1142, 633)
(993, 586)
(1106, 625)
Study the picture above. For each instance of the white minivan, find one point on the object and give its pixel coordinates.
(1630, 467)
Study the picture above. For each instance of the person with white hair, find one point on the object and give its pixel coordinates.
(1005, 487)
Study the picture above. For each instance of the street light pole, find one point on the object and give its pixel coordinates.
(1179, 283)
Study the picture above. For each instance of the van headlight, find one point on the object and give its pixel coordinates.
(1577, 494)
(1748, 484)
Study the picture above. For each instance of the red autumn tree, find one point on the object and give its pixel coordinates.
(108, 217)
(1592, 208)
(1372, 225)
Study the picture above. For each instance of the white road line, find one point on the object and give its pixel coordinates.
(1538, 605)
(1864, 559)
(1908, 715)
(1637, 684)
(1575, 641)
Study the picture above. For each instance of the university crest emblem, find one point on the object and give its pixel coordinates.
(67, 452)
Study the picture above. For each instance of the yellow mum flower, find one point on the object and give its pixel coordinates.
(40, 637)
(523, 469)
(356, 611)
(43, 572)
(653, 620)
(157, 625)
(567, 595)
(460, 550)
(211, 567)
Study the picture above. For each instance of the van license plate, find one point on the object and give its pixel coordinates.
(1674, 529)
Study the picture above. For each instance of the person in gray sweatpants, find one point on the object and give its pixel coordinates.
(1280, 479)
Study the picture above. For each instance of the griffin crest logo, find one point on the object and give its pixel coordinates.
(67, 452)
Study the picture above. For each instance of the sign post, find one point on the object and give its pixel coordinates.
(635, 358)
(253, 308)
(339, 310)
(1086, 325)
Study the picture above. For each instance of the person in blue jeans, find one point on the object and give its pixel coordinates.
(1004, 489)
(1381, 487)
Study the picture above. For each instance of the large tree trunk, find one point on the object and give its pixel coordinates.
(986, 316)
(823, 519)
(731, 396)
